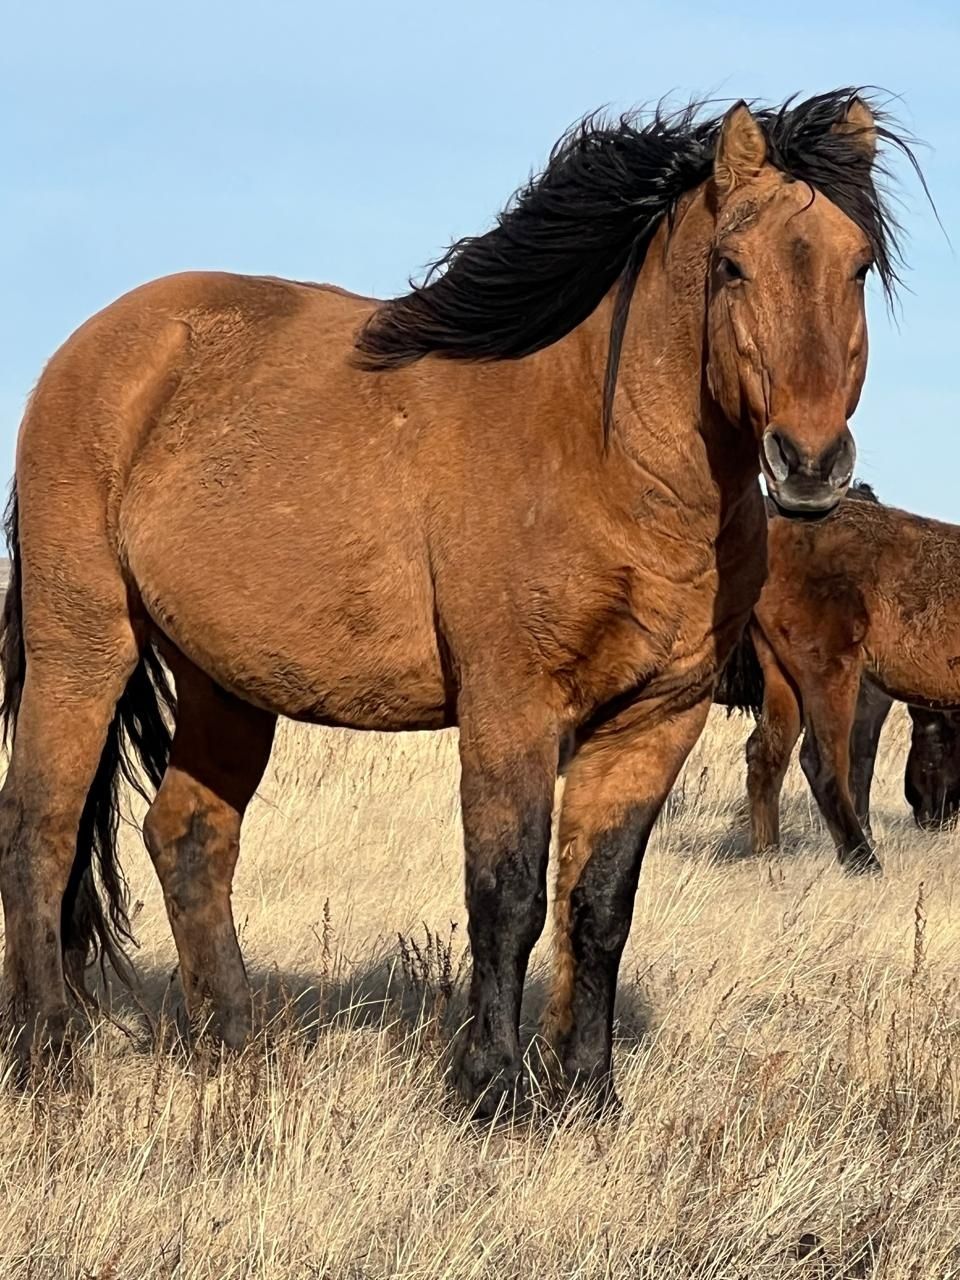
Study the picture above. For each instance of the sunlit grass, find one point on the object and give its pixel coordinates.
(788, 1059)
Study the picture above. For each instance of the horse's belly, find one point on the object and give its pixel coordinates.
(375, 671)
(917, 669)
(296, 613)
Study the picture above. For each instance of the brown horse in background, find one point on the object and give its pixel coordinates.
(932, 775)
(521, 499)
(871, 594)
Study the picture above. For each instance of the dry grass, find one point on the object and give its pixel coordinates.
(789, 1053)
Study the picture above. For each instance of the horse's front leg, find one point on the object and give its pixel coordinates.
(873, 707)
(509, 749)
(830, 700)
(615, 789)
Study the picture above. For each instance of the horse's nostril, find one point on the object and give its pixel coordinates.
(781, 454)
(838, 463)
(786, 460)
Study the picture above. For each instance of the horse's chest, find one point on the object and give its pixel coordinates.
(670, 618)
(644, 621)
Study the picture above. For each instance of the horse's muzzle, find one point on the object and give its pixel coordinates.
(802, 484)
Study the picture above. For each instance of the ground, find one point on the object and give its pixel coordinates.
(788, 1060)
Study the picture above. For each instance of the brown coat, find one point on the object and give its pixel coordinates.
(266, 482)
(870, 592)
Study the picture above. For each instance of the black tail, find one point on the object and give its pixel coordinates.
(94, 922)
(740, 686)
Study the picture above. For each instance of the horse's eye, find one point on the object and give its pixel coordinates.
(729, 271)
(863, 272)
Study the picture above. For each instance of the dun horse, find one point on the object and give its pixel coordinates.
(521, 499)
(932, 776)
(870, 593)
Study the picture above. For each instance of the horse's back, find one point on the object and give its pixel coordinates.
(914, 641)
(213, 448)
(129, 357)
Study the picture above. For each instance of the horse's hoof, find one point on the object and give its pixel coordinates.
(490, 1092)
(44, 1046)
(593, 1095)
(225, 1031)
(863, 863)
(597, 1103)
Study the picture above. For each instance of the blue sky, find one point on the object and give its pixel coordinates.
(351, 142)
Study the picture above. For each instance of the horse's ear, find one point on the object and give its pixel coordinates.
(859, 127)
(741, 150)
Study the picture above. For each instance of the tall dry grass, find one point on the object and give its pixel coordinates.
(788, 1057)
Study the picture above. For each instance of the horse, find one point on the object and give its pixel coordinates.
(931, 783)
(521, 499)
(867, 596)
(932, 775)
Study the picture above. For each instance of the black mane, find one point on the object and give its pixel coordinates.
(586, 221)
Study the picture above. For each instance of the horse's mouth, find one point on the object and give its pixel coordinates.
(808, 504)
(809, 515)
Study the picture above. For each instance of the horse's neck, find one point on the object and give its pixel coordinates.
(666, 426)
(664, 419)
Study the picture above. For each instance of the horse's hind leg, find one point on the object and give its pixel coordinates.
(71, 689)
(221, 747)
(873, 707)
(769, 748)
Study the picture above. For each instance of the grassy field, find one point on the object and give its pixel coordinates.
(788, 1057)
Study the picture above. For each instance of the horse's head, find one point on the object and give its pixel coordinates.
(932, 780)
(786, 321)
